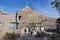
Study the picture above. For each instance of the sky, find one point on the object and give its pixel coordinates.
(42, 6)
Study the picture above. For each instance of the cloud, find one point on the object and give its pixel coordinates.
(45, 8)
(47, 11)
(7, 9)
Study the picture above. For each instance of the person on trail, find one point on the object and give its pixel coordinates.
(25, 30)
(31, 31)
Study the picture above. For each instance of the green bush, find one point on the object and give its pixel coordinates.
(11, 36)
(39, 35)
(54, 37)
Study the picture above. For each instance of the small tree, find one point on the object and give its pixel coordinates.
(56, 4)
(11, 36)
(58, 25)
(32, 25)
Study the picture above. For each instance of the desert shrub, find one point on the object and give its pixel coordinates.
(38, 35)
(54, 37)
(11, 36)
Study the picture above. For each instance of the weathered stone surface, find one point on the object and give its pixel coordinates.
(27, 16)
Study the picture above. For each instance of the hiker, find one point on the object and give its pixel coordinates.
(25, 30)
(31, 31)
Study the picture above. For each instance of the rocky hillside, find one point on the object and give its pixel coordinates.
(30, 16)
